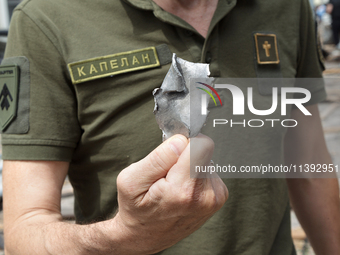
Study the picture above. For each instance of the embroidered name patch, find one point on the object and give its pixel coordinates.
(8, 94)
(105, 66)
(266, 49)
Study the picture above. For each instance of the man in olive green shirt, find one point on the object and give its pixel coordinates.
(83, 72)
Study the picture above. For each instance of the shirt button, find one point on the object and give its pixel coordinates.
(208, 57)
(188, 33)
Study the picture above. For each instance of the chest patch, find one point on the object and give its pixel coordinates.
(266, 49)
(109, 65)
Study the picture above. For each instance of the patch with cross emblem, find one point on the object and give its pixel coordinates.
(266, 49)
(8, 94)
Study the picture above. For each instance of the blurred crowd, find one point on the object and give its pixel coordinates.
(327, 15)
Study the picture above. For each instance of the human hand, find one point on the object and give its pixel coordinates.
(159, 204)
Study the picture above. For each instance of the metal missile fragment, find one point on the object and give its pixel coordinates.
(177, 104)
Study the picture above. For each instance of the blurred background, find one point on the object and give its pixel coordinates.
(327, 17)
(6, 9)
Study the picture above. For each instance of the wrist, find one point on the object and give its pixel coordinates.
(132, 240)
(123, 236)
(106, 237)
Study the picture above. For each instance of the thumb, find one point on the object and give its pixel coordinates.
(142, 174)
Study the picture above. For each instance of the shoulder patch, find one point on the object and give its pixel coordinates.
(8, 94)
(109, 65)
(15, 95)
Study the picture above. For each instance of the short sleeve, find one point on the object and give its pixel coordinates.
(310, 60)
(53, 129)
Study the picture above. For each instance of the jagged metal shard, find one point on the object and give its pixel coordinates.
(172, 100)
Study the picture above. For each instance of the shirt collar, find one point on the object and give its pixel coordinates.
(223, 8)
(141, 4)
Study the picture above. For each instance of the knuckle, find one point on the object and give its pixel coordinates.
(186, 197)
(226, 193)
(221, 199)
(120, 181)
(210, 144)
(123, 182)
(223, 192)
(197, 196)
(125, 179)
(182, 200)
(219, 203)
(211, 203)
(214, 199)
(221, 195)
(157, 160)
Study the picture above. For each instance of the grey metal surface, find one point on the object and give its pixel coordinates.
(175, 97)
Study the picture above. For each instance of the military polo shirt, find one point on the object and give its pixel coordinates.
(87, 70)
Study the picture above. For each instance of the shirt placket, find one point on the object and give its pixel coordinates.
(200, 49)
(206, 50)
(212, 44)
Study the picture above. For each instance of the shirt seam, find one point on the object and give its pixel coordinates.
(41, 28)
(38, 142)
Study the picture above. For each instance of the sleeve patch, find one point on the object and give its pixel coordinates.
(8, 94)
(14, 95)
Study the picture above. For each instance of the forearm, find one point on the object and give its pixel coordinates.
(316, 204)
(45, 233)
(154, 213)
(315, 201)
(32, 220)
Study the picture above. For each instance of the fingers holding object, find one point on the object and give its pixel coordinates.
(198, 153)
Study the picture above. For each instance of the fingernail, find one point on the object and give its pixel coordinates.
(178, 144)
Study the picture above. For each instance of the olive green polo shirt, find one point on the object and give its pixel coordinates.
(87, 72)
